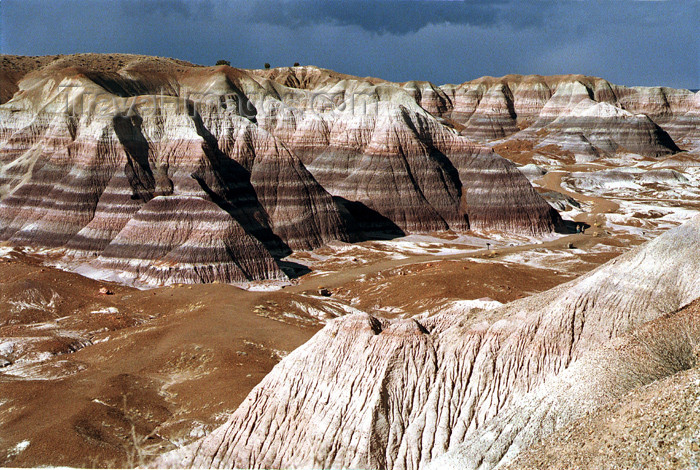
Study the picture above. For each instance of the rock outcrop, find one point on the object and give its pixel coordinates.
(655, 425)
(297, 156)
(587, 116)
(196, 245)
(293, 157)
(654, 352)
(372, 393)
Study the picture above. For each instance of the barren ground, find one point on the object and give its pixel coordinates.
(89, 378)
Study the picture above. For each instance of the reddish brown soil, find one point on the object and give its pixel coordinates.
(516, 150)
(415, 288)
(175, 357)
(13, 68)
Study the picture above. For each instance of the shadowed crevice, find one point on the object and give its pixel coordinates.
(370, 224)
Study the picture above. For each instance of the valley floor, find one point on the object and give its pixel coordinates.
(96, 379)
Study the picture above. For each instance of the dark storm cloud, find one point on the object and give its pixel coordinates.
(387, 16)
(625, 41)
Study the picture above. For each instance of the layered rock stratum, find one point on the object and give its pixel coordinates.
(468, 391)
(286, 159)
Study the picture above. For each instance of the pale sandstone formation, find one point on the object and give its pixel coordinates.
(655, 425)
(195, 230)
(297, 156)
(586, 115)
(601, 377)
(294, 157)
(371, 393)
(379, 137)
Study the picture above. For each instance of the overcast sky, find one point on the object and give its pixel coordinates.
(629, 42)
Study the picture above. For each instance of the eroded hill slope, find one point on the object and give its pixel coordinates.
(372, 393)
